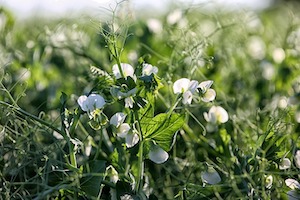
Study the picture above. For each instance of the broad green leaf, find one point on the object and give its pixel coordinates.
(162, 128)
(93, 175)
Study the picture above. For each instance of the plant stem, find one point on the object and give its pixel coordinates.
(140, 154)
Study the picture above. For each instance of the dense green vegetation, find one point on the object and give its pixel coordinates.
(51, 149)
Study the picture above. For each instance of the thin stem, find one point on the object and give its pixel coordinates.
(23, 112)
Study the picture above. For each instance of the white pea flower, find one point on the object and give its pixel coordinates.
(211, 176)
(269, 181)
(158, 155)
(127, 70)
(208, 93)
(131, 139)
(91, 103)
(123, 129)
(117, 119)
(285, 164)
(128, 102)
(216, 114)
(297, 159)
(292, 183)
(114, 176)
(148, 69)
(186, 87)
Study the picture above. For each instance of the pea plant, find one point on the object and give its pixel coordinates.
(135, 132)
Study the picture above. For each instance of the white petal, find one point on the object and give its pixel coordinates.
(131, 140)
(209, 95)
(269, 181)
(219, 113)
(181, 85)
(126, 68)
(193, 86)
(187, 97)
(95, 101)
(285, 164)
(158, 155)
(292, 183)
(128, 102)
(205, 85)
(82, 102)
(149, 69)
(117, 119)
(211, 176)
(123, 130)
(297, 159)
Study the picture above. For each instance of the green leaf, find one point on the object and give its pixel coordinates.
(92, 177)
(162, 128)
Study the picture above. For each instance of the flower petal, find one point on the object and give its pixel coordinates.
(123, 130)
(126, 68)
(285, 164)
(211, 176)
(82, 102)
(205, 85)
(193, 86)
(117, 119)
(292, 183)
(297, 159)
(209, 95)
(95, 101)
(131, 139)
(158, 155)
(181, 85)
(149, 69)
(129, 102)
(187, 97)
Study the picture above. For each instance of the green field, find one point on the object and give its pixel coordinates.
(64, 79)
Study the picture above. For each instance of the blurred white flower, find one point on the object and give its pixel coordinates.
(211, 176)
(278, 55)
(269, 181)
(155, 25)
(285, 164)
(297, 159)
(186, 87)
(216, 114)
(127, 70)
(208, 93)
(158, 155)
(268, 70)
(292, 183)
(174, 17)
(91, 103)
(256, 47)
(149, 69)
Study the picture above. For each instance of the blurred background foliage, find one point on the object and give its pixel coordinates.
(252, 57)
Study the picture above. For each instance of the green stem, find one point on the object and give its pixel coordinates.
(140, 154)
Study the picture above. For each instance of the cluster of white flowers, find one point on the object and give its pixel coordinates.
(186, 89)
(293, 184)
(95, 102)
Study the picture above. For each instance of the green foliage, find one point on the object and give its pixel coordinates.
(52, 149)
